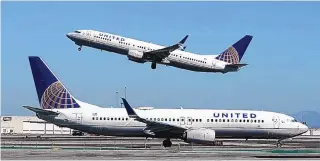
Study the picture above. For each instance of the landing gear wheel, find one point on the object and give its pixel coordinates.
(279, 144)
(79, 48)
(153, 65)
(167, 143)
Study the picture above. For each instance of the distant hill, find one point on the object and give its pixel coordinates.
(311, 117)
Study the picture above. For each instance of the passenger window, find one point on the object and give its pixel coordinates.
(111, 118)
(92, 118)
(240, 120)
(223, 120)
(251, 121)
(108, 118)
(255, 121)
(262, 121)
(169, 119)
(158, 119)
(258, 121)
(122, 119)
(216, 120)
(196, 120)
(211, 120)
(177, 119)
(219, 120)
(97, 118)
(161, 119)
(200, 120)
(247, 120)
(173, 119)
(165, 119)
(104, 118)
(235, 120)
(127, 119)
(231, 120)
(207, 120)
(192, 120)
(228, 120)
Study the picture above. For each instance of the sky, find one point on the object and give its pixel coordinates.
(282, 75)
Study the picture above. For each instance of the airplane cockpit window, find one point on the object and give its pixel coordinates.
(77, 31)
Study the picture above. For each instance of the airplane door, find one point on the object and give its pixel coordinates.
(77, 118)
(276, 121)
(182, 121)
(189, 121)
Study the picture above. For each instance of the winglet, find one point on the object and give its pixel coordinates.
(130, 111)
(184, 39)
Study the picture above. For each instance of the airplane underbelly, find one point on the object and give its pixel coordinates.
(252, 133)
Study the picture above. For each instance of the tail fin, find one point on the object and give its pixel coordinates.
(51, 92)
(235, 52)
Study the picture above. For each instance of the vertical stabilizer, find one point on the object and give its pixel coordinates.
(51, 92)
(235, 52)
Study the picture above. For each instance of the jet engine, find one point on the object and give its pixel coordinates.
(199, 136)
(136, 56)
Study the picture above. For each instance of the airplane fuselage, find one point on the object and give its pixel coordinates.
(125, 46)
(244, 124)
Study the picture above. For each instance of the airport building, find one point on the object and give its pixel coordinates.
(30, 125)
(34, 125)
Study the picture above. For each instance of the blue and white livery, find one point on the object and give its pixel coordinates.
(175, 55)
(202, 126)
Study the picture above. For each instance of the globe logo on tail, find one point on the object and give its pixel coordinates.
(230, 56)
(56, 96)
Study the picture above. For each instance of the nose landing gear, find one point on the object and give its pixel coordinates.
(153, 65)
(167, 143)
(79, 48)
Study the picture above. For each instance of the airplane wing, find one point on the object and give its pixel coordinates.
(40, 111)
(164, 52)
(153, 127)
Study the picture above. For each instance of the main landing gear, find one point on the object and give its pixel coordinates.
(279, 144)
(153, 65)
(79, 48)
(167, 143)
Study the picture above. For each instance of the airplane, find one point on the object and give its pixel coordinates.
(199, 126)
(175, 55)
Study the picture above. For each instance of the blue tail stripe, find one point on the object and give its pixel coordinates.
(50, 90)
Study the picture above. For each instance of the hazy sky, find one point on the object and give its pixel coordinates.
(282, 75)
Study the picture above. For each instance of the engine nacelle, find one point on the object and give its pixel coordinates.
(136, 56)
(200, 136)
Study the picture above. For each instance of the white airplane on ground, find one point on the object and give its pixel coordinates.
(175, 55)
(202, 126)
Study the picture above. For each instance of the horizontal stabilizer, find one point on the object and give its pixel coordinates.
(235, 66)
(40, 111)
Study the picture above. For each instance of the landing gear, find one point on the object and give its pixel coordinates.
(79, 48)
(167, 143)
(279, 144)
(153, 65)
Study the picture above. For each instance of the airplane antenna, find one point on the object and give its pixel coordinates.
(181, 107)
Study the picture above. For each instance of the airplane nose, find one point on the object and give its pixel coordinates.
(303, 128)
(68, 35)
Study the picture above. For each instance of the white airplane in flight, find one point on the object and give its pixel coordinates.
(175, 55)
(201, 126)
